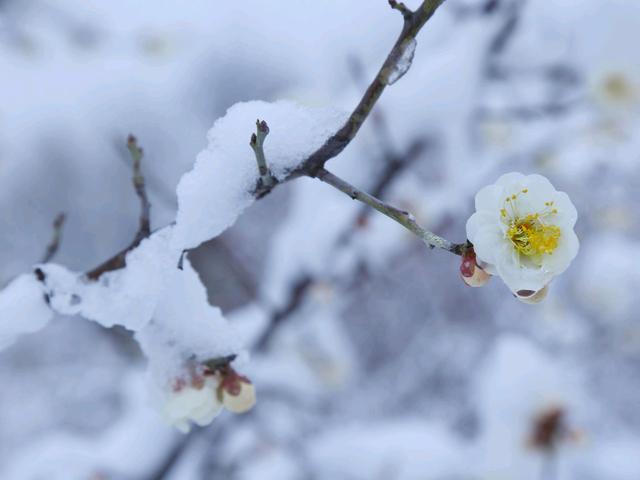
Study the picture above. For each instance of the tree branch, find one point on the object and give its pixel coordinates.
(332, 147)
(338, 141)
(405, 219)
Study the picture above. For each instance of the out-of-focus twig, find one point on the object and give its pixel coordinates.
(296, 297)
(54, 244)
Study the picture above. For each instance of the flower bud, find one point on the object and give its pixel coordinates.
(242, 401)
(236, 392)
(530, 297)
(471, 273)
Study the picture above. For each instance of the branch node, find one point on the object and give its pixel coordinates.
(402, 8)
(257, 144)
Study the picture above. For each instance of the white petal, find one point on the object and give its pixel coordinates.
(480, 220)
(567, 249)
(510, 180)
(567, 213)
(490, 199)
(488, 242)
(517, 277)
(538, 184)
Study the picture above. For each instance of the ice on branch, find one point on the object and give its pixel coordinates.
(522, 230)
(403, 62)
(220, 186)
(126, 297)
(23, 309)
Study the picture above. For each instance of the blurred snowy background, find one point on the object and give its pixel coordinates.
(373, 359)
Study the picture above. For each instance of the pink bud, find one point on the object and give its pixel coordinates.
(472, 274)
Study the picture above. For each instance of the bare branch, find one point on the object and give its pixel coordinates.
(54, 244)
(405, 219)
(257, 143)
(138, 184)
(337, 142)
(144, 230)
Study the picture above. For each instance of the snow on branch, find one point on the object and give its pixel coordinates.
(224, 177)
(150, 287)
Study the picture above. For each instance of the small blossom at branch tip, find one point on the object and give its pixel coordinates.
(236, 392)
(242, 401)
(523, 232)
(207, 389)
(194, 402)
(470, 271)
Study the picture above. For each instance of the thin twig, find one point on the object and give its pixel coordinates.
(144, 230)
(257, 144)
(54, 244)
(296, 297)
(403, 218)
(136, 152)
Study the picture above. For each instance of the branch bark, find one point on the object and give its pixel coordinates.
(413, 23)
(405, 219)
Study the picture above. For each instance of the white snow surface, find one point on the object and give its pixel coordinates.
(185, 328)
(126, 297)
(219, 188)
(22, 308)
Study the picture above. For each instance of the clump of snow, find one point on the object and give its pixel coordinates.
(22, 309)
(185, 329)
(127, 296)
(403, 63)
(218, 189)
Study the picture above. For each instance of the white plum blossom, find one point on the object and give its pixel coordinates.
(522, 230)
(201, 398)
(192, 403)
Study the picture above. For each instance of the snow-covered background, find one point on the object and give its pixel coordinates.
(371, 358)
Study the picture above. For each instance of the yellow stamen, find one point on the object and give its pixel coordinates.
(532, 237)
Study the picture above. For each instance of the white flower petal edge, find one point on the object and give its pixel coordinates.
(190, 404)
(522, 230)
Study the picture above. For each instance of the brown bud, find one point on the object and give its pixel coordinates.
(548, 427)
